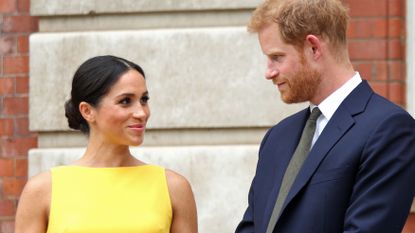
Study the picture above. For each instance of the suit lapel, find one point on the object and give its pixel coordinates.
(338, 125)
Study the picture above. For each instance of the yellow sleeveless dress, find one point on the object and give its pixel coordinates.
(117, 200)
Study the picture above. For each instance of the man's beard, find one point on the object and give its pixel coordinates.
(302, 85)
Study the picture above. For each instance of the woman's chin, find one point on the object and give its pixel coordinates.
(136, 143)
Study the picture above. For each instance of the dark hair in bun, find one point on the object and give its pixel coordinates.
(93, 79)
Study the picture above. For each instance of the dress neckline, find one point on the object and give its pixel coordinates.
(109, 168)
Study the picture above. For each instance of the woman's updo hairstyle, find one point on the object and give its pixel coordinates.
(93, 80)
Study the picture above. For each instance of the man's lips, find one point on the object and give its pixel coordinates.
(279, 83)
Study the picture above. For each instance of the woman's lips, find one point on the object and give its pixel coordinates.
(137, 127)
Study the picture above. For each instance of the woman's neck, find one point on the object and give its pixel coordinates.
(107, 155)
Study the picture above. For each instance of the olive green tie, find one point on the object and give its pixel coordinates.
(294, 166)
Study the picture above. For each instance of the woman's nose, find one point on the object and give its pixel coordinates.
(139, 111)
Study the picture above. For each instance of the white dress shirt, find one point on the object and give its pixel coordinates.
(329, 105)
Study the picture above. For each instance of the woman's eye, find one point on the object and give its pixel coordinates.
(125, 101)
(144, 99)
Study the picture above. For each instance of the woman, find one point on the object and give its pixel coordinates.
(107, 189)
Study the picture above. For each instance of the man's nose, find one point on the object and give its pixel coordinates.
(271, 71)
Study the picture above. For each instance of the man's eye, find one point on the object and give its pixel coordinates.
(276, 58)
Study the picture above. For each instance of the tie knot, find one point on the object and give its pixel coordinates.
(314, 114)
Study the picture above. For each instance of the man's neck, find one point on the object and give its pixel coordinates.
(332, 78)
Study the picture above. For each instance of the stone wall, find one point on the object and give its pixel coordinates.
(210, 103)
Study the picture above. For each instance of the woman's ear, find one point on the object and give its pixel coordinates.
(87, 111)
(314, 46)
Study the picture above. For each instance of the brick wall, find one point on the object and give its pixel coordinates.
(15, 139)
(377, 45)
(410, 225)
(377, 49)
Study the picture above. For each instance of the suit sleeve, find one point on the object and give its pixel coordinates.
(247, 225)
(384, 186)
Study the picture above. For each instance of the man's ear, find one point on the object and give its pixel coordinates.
(87, 111)
(313, 46)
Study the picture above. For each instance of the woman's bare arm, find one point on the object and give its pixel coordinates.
(183, 204)
(33, 209)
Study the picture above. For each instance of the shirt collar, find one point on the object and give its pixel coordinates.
(329, 105)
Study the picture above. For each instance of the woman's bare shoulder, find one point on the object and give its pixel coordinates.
(33, 209)
(38, 186)
(177, 181)
(183, 203)
(179, 188)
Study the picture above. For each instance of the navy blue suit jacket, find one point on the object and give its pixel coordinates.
(358, 178)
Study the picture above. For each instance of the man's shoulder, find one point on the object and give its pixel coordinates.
(379, 105)
(293, 118)
(286, 124)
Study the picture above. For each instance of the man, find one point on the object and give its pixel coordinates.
(351, 168)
